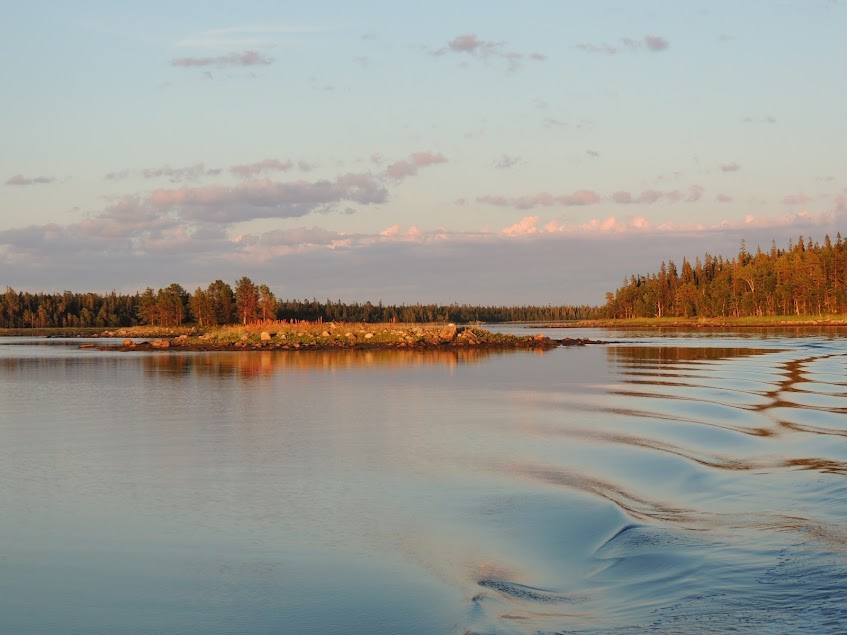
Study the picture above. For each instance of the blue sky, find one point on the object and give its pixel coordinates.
(474, 152)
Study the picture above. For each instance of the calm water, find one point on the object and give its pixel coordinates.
(685, 483)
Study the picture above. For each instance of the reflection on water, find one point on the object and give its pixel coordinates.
(683, 484)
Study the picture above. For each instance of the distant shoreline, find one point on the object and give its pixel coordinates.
(389, 334)
(699, 323)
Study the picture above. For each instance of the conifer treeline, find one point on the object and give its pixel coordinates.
(247, 302)
(807, 278)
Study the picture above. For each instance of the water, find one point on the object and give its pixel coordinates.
(691, 482)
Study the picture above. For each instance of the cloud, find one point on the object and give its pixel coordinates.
(767, 119)
(470, 44)
(174, 175)
(399, 170)
(526, 226)
(269, 199)
(650, 43)
(506, 161)
(724, 198)
(395, 264)
(730, 167)
(655, 43)
(648, 197)
(589, 197)
(597, 48)
(542, 199)
(21, 180)
(267, 165)
(244, 59)
(592, 153)
(695, 193)
(796, 199)
(118, 175)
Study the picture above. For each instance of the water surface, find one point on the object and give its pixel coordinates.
(690, 482)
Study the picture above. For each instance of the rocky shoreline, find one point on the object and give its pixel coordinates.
(288, 337)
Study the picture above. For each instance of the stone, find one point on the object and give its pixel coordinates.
(368, 336)
(448, 333)
(265, 336)
(160, 344)
(129, 342)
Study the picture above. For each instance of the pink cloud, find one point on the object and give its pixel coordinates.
(399, 170)
(695, 192)
(175, 175)
(21, 180)
(542, 199)
(796, 199)
(655, 43)
(470, 44)
(269, 199)
(247, 58)
(526, 226)
(652, 43)
(649, 197)
(267, 165)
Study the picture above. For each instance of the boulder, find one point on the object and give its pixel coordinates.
(448, 333)
(129, 342)
(265, 336)
(160, 344)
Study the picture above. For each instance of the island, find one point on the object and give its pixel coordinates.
(284, 336)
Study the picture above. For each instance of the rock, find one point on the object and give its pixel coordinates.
(540, 337)
(265, 336)
(281, 336)
(160, 344)
(325, 334)
(245, 337)
(182, 339)
(368, 336)
(448, 333)
(129, 342)
(350, 336)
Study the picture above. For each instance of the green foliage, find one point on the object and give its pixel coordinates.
(805, 279)
(219, 305)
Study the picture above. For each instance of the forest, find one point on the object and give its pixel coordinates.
(806, 278)
(246, 302)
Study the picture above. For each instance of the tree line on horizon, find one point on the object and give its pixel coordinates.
(246, 302)
(807, 278)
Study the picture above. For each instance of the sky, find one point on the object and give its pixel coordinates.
(474, 152)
